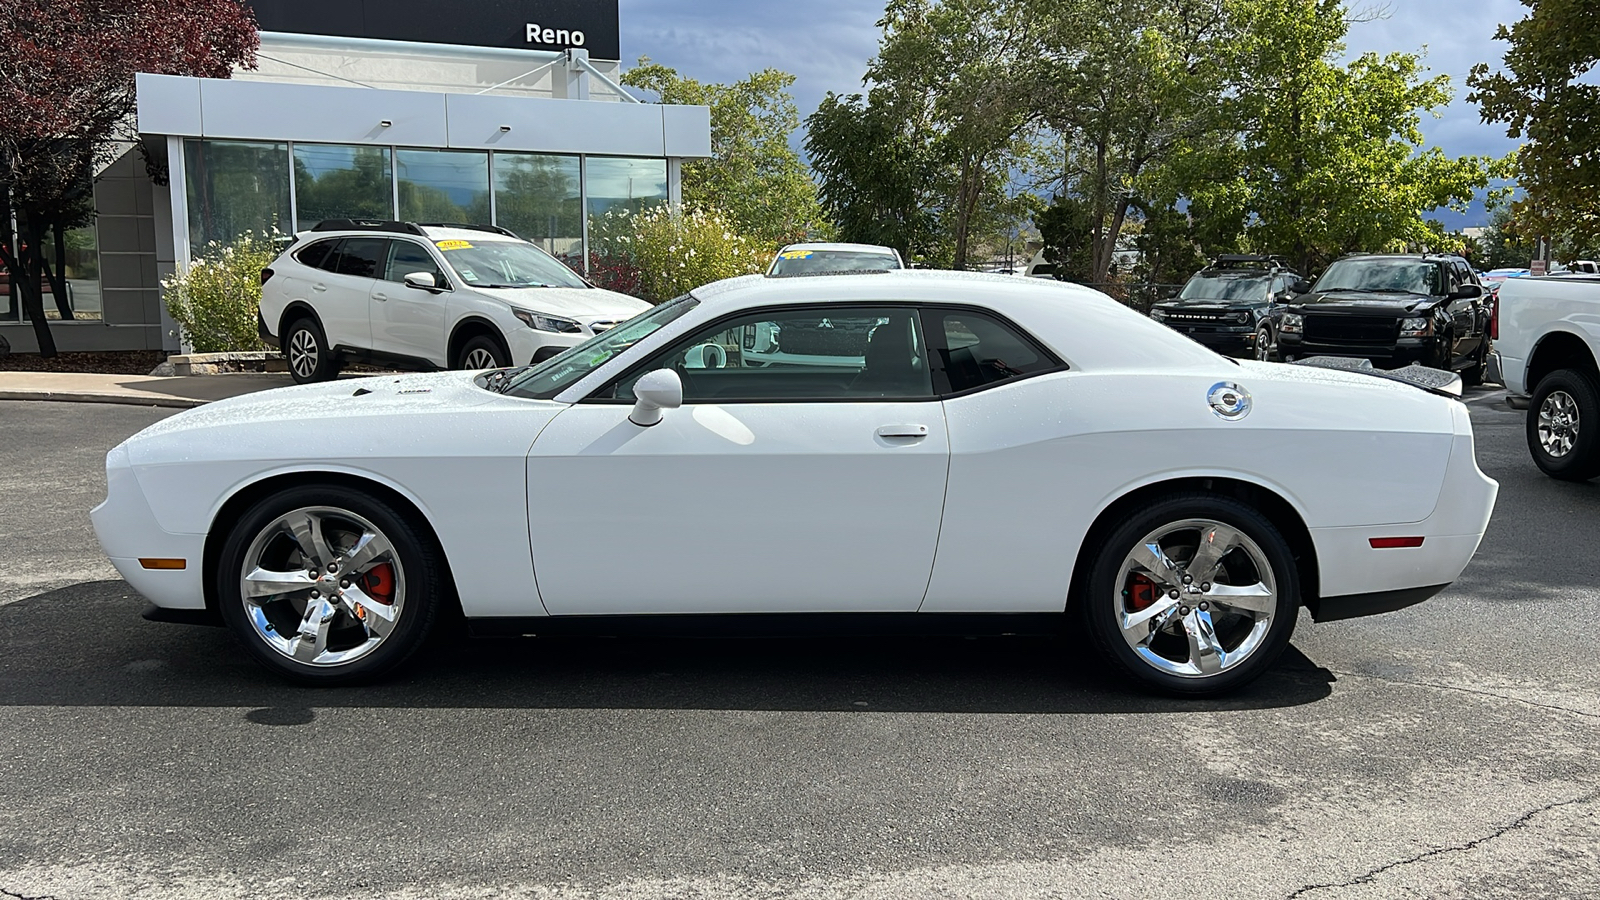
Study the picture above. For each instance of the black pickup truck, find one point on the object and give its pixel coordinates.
(1393, 310)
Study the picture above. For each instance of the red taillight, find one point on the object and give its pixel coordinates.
(1494, 317)
(265, 274)
(1390, 543)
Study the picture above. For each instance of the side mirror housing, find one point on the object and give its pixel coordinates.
(1466, 292)
(422, 280)
(1300, 287)
(653, 392)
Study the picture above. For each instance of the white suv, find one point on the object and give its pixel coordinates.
(425, 297)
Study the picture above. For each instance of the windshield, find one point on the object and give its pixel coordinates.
(1228, 288)
(1409, 275)
(560, 372)
(500, 263)
(812, 262)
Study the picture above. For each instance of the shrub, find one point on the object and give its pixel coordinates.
(673, 251)
(217, 301)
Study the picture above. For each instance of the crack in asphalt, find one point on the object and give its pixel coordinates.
(1520, 822)
(1466, 690)
(16, 896)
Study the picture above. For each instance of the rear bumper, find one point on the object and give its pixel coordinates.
(1354, 606)
(263, 333)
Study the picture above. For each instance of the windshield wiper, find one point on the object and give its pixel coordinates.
(514, 286)
(500, 379)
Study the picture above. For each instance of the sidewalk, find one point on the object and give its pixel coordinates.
(137, 390)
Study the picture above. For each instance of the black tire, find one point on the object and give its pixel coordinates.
(484, 347)
(268, 625)
(1265, 349)
(306, 348)
(1101, 609)
(1472, 376)
(1568, 393)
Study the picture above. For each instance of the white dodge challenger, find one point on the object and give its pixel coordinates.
(946, 451)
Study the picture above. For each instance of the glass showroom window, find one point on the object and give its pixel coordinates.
(235, 187)
(80, 264)
(617, 183)
(333, 181)
(539, 197)
(443, 186)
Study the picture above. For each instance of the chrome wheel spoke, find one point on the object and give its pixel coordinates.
(377, 618)
(371, 549)
(261, 583)
(311, 640)
(1155, 563)
(307, 530)
(1205, 651)
(1256, 598)
(1136, 625)
(1216, 541)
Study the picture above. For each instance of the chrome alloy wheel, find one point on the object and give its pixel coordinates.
(479, 358)
(303, 352)
(1558, 424)
(1264, 346)
(322, 586)
(1196, 598)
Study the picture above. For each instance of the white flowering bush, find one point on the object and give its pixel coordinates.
(669, 251)
(217, 301)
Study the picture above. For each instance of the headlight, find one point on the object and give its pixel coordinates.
(1418, 327)
(1160, 315)
(1292, 323)
(552, 324)
(1243, 318)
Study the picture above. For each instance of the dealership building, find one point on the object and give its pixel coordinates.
(504, 112)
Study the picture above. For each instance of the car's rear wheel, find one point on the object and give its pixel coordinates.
(1194, 594)
(1264, 344)
(1564, 425)
(482, 352)
(306, 347)
(327, 585)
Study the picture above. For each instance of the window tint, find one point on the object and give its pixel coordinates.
(973, 349)
(360, 257)
(407, 257)
(314, 254)
(859, 353)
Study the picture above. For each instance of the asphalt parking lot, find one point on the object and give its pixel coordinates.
(1447, 750)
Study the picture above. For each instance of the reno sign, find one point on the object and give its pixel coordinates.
(522, 24)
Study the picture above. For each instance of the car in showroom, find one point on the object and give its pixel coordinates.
(1393, 310)
(1233, 305)
(412, 296)
(1009, 454)
(832, 259)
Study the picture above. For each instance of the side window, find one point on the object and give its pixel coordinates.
(313, 255)
(407, 257)
(1280, 284)
(841, 353)
(360, 257)
(972, 349)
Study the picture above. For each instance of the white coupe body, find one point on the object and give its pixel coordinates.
(982, 500)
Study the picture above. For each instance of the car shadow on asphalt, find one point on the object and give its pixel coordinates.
(85, 645)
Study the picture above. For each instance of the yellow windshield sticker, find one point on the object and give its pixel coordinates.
(453, 245)
(795, 254)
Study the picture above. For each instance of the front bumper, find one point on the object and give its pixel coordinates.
(1403, 352)
(128, 533)
(1229, 340)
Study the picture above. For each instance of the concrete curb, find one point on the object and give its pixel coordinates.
(87, 397)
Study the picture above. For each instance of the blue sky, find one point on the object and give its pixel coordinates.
(827, 43)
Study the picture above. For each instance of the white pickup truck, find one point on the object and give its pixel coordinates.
(1549, 342)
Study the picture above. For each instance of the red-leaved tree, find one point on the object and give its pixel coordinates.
(67, 109)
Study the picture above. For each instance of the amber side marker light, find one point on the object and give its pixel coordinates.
(164, 563)
(1394, 542)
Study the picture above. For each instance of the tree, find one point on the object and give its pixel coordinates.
(1505, 245)
(753, 174)
(1066, 227)
(1332, 158)
(67, 97)
(1545, 98)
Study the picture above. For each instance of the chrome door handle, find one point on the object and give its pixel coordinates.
(903, 431)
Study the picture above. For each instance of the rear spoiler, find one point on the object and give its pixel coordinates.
(1434, 381)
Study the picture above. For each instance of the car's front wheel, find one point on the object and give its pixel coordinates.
(1194, 594)
(482, 352)
(1264, 344)
(327, 585)
(1564, 425)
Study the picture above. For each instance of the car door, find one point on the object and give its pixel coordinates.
(1464, 313)
(343, 291)
(812, 486)
(409, 321)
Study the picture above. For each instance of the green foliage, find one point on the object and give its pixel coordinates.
(1544, 97)
(1505, 245)
(1168, 250)
(753, 173)
(1066, 229)
(218, 300)
(674, 251)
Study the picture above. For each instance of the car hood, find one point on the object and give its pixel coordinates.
(1358, 302)
(1205, 305)
(576, 302)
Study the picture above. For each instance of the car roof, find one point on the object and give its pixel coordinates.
(841, 247)
(1419, 257)
(919, 285)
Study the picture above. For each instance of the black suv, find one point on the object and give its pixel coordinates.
(1393, 310)
(1232, 305)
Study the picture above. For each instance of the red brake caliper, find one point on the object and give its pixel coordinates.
(378, 583)
(1141, 592)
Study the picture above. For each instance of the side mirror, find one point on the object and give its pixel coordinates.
(422, 280)
(1466, 292)
(1300, 287)
(653, 392)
